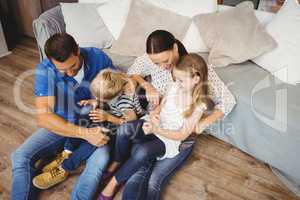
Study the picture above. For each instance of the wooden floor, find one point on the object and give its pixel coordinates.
(215, 171)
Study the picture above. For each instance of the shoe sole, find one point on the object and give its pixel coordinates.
(44, 188)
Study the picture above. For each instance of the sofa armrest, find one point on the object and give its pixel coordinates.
(46, 25)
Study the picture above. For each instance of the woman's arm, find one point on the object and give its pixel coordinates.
(208, 120)
(222, 97)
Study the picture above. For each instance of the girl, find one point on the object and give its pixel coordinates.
(185, 101)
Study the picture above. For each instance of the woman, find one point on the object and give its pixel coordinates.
(163, 51)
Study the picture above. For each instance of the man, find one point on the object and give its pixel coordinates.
(61, 81)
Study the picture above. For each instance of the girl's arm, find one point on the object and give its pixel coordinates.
(184, 132)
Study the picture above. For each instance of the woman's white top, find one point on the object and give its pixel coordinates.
(161, 78)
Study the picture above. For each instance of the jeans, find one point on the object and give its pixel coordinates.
(151, 147)
(81, 149)
(79, 154)
(42, 144)
(148, 182)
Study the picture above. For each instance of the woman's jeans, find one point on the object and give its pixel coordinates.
(127, 135)
(43, 144)
(149, 180)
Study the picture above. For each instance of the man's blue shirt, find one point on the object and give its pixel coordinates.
(67, 92)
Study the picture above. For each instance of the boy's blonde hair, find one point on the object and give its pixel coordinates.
(108, 84)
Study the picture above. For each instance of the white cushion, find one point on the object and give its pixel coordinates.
(92, 1)
(85, 25)
(263, 17)
(188, 8)
(114, 14)
(283, 61)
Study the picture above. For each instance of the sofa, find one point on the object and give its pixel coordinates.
(264, 123)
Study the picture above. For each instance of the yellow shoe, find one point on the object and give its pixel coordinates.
(51, 178)
(57, 161)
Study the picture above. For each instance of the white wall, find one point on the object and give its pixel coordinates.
(3, 46)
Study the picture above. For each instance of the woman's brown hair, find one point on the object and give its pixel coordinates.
(161, 40)
(195, 65)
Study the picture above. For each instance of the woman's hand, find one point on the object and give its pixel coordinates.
(92, 102)
(99, 115)
(152, 94)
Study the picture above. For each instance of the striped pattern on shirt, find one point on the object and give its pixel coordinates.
(125, 102)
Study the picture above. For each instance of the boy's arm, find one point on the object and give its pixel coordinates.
(129, 115)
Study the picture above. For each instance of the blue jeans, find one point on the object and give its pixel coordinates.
(79, 154)
(151, 147)
(148, 182)
(42, 144)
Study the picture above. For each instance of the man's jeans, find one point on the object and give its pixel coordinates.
(43, 144)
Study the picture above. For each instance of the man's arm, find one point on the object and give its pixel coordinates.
(47, 119)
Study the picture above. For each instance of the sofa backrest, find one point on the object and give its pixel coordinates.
(47, 24)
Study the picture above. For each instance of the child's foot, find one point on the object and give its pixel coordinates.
(110, 190)
(57, 161)
(102, 197)
(50, 178)
(110, 171)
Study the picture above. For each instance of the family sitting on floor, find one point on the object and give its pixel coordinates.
(127, 131)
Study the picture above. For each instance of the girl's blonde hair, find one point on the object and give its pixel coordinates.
(195, 65)
(108, 84)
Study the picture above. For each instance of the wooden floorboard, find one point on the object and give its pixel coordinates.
(215, 171)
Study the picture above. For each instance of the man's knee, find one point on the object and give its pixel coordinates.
(19, 158)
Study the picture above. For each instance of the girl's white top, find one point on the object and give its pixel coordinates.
(171, 118)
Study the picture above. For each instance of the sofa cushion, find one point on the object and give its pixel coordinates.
(144, 18)
(85, 25)
(234, 35)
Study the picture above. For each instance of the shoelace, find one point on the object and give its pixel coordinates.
(60, 158)
(55, 172)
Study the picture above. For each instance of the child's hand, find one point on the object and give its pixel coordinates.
(147, 128)
(154, 118)
(150, 128)
(99, 115)
(92, 102)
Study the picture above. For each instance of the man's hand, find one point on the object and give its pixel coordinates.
(99, 115)
(92, 102)
(95, 136)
